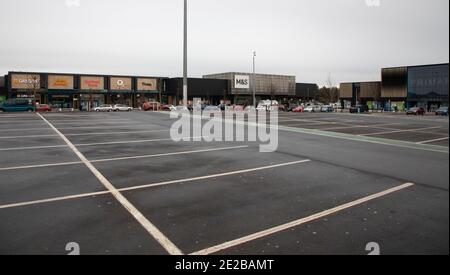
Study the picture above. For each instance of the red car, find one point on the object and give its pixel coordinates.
(416, 111)
(43, 108)
(299, 109)
(151, 106)
(238, 108)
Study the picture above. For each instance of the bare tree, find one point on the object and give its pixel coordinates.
(34, 85)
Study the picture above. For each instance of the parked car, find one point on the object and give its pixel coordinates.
(224, 107)
(122, 108)
(309, 109)
(212, 108)
(299, 109)
(327, 109)
(443, 111)
(17, 105)
(181, 108)
(104, 108)
(416, 111)
(167, 107)
(358, 109)
(151, 106)
(250, 109)
(281, 108)
(317, 108)
(43, 108)
(292, 107)
(238, 108)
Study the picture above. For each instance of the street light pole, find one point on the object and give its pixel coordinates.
(185, 80)
(254, 79)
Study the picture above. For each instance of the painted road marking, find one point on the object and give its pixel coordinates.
(380, 126)
(433, 140)
(87, 134)
(32, 148)
(336, 135)
(169, 154)
(299, 222)
(83, 127)
(401, 131)
(151, 229)
(122, 158)
(153, 185)
(91, 144)
(215, 176)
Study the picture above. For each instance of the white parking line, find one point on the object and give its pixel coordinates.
(40, 166)
(433, 140)
(401, 131)
(31, 136)
(151, 229)
(90, 144)
(169, 154)
(99, 123)
(87, 134)
(116, 133)
(216, 175)
(32, 148)
(30, 121)
(79, 128)
(299, 222)
(123, 158)
(379, 126)
(147, 186)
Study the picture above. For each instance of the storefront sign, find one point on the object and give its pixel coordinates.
(147, 84)
(242, 82)
(120, 84)
(25, 81)
(60, 82)
(92, 83)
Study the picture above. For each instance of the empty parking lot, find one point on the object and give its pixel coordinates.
(115, 183)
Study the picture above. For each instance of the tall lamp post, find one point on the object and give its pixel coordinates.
(185, 80)
(254, 79)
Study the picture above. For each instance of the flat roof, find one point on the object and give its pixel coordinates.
(416, 66)
(81, 74)
(248, 74)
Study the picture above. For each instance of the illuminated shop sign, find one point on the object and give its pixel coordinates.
(25, 81)
(92, 83)
(242, 82)
(120, 83)
(60, 82)
(147, 84)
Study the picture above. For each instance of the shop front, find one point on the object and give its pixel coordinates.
(61, 92)
(146, 91)
(88, 102)
(92, 93)
(26, 86)
(120, 91)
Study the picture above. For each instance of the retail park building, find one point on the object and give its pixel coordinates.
(63, 90)
(401, 87)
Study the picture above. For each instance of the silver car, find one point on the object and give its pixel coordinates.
(104, 108)
(122, 108)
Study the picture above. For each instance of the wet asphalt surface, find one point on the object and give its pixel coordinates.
(237, 198)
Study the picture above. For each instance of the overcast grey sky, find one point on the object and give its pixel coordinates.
(306, 38)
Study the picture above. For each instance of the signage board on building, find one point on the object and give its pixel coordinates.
(120, 83)
(25, 81)
(242, 82)
(60, 82)
(92, 83)
(147, 84)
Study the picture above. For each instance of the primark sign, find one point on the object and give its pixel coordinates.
(242, 82)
